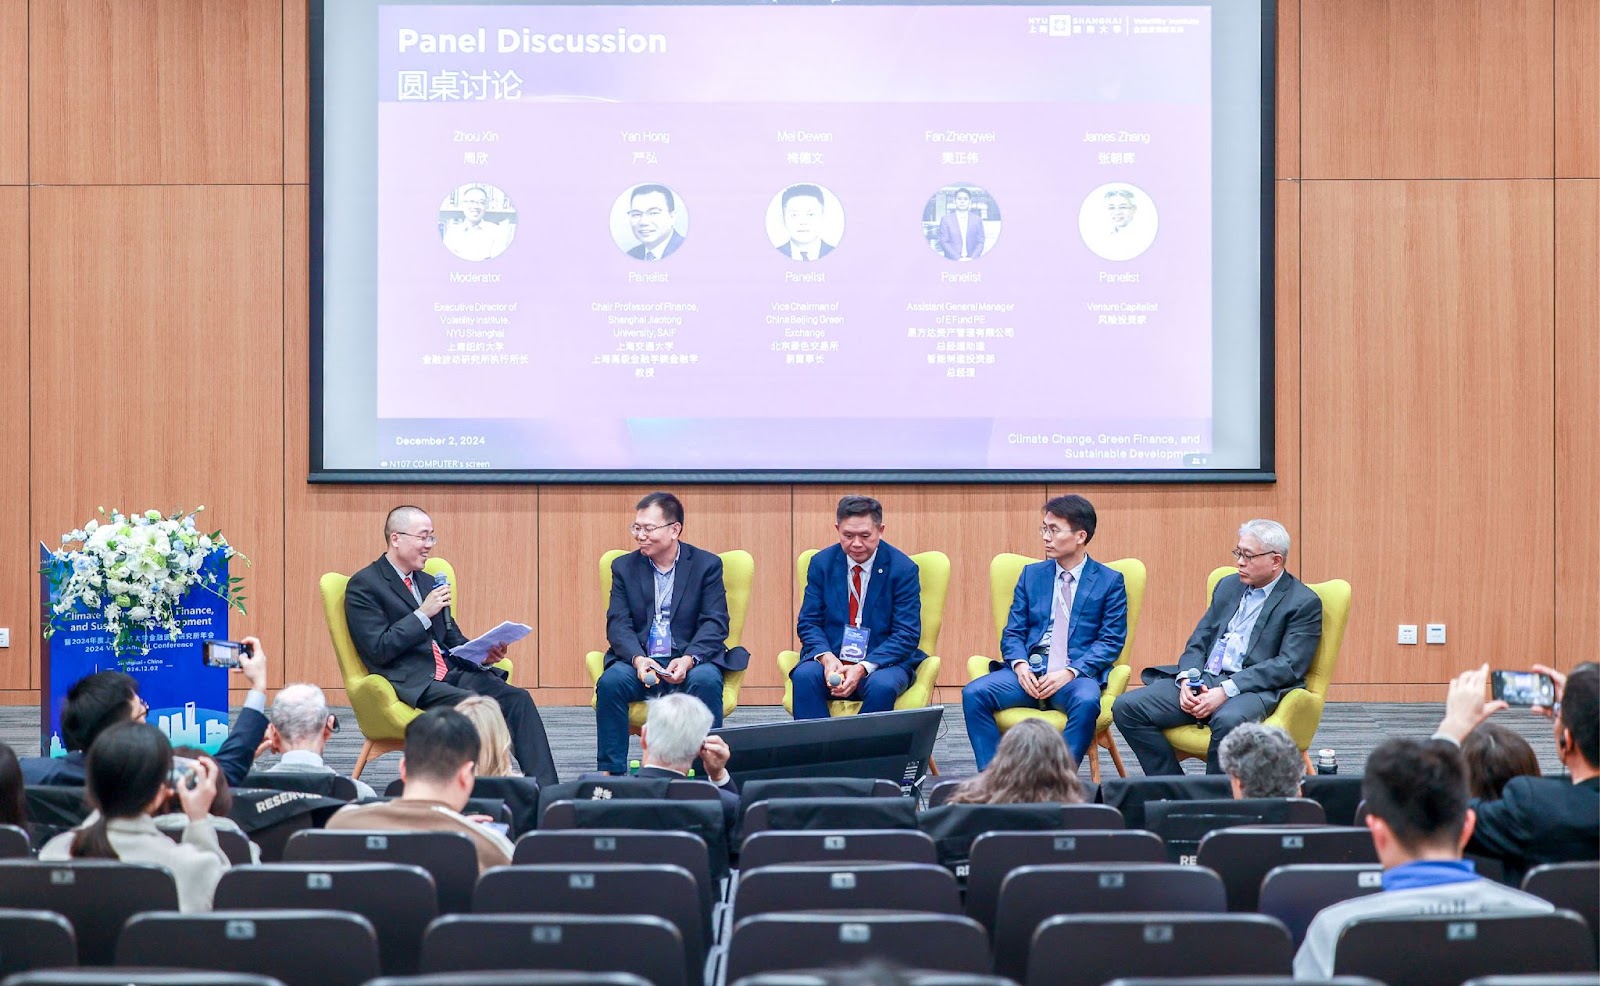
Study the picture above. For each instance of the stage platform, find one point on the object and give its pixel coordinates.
(1351, 728)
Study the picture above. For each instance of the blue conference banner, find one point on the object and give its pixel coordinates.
(188, 701)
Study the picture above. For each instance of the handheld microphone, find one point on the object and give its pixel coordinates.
(1190, 678)
(1039, 659)
(835, 679)
(443, 580)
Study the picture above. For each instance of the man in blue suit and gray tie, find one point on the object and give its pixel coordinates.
(1069, 619)
(861, 619)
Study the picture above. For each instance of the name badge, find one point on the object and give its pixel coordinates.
(854, 648)
(660, 639)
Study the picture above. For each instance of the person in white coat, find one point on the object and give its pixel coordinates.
(129, 775)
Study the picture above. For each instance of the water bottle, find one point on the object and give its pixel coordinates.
(1327, 762)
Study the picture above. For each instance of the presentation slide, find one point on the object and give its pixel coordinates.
(787, 240)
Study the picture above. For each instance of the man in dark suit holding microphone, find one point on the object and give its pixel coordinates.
(861, 619)
(400, 620)
(1253, 645)
(667, 624)
(1068, 622)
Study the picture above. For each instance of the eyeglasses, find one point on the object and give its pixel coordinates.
(641, 529)
(428, 540)
(1247, 556)
(1048, 531)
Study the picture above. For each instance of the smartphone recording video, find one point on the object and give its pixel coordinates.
(222, 653)
(1523, 688)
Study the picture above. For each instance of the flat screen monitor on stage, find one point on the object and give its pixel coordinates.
(792, 240)
(895, 746)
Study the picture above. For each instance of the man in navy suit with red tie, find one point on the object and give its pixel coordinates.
(1069, 620)
(401, 624)
(861, 619)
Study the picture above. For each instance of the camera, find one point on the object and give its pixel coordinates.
(185, 773)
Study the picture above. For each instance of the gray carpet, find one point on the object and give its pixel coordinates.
(1350, 728)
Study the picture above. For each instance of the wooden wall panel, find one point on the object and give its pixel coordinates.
(157, 366)
(157, 91)
(1426, 88)
(1577, 89)
(13, 92)
(1577, 421)
(577, 524)
(1427, 452)
(296, 94)
(1288, 90)
(19, 580)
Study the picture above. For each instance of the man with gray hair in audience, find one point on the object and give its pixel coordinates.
(675, 735)
(1262, 762)
(300, 726)
(1253, 646)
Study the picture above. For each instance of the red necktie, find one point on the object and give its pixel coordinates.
(855, 595)
(438, 655)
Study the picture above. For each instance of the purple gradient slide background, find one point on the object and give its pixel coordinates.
(877, 79)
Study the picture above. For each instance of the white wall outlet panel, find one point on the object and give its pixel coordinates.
(1435, 633)
(1408, 633)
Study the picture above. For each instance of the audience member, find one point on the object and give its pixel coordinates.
(674, 735)
(494, 738)
(438, 767)
(128, 778)
(1416, 793)
(1032, 766)
(1494, 754)
(1261, 762)
(105, 698)
(13, 803)
(1538, 819)
(301, 726)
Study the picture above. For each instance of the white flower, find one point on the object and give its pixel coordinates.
(139, 614)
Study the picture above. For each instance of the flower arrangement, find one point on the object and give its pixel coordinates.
(133, 572)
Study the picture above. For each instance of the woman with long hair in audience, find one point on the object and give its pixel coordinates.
(13, 805)
(494, 738)
(1031, 766)
(1495, 753)
(128, 778)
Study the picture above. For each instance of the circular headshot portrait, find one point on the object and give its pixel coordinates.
(477, 221)
(805, 222)
(961, 222)
(649, 222)
(1118, 221)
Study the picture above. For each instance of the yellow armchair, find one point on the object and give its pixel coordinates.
(380, 714)
(1300, 712)
(933, 571)
(738, 574)
(1004, 571)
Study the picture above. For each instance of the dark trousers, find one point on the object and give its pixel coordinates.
(876, 692)
(1078, 700)
(620, 684)
(1141, 716)
(528, 741)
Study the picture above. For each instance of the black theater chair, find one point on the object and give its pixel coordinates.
(1031, 894)
(1447, 951)
(1294, 894)
(585, 846)
(449, 857)
(847, 887)
(1091, 949)
(96, 895)
(398, 899)
(834, 846)
(301, 948)
(639, 944)
(35, 940)
(1243, 856)
(663, 891)
(775, 942)
(998, 853)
